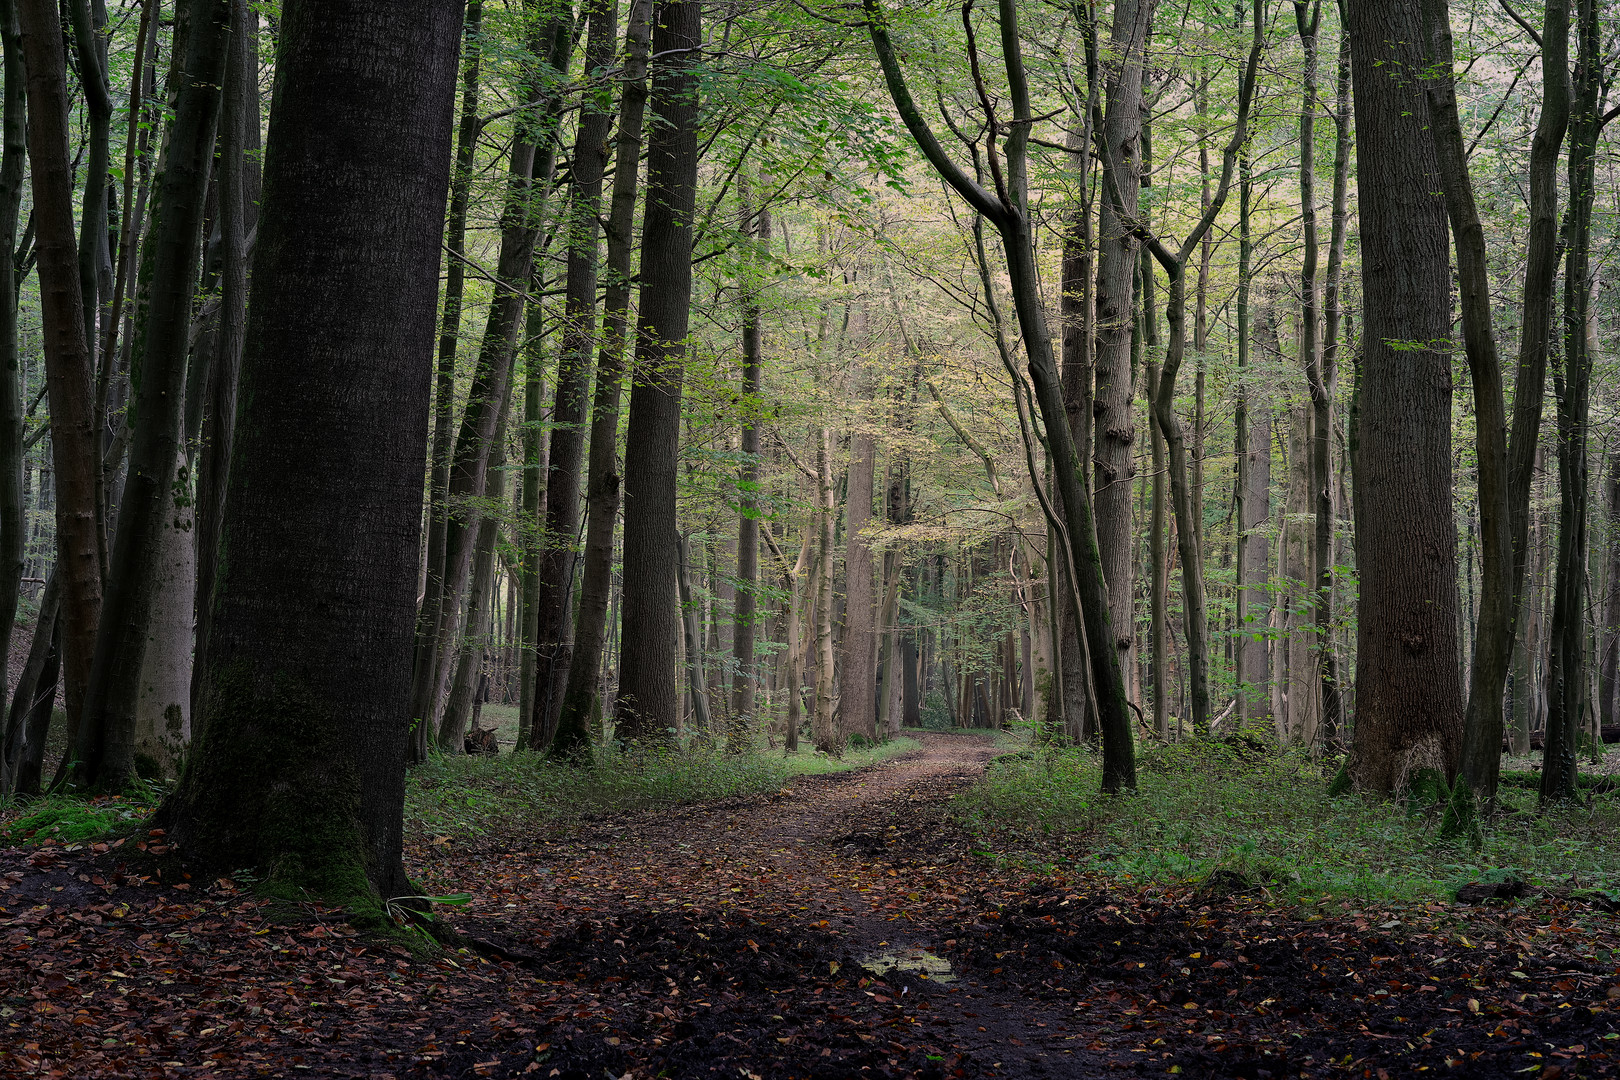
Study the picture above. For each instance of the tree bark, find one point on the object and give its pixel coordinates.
(647, 699)
(1567, 682)
(1408, 695)
(299, 768)
(106, 739)
(444, 394)
(13, 166)
(1609, 640)
(239, 214)
(564, 463)
(74, 447)
(824, 728)
(22, 753)
(756, 225)
(857, 684)
(581, 705)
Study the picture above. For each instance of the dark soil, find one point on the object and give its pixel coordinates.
(756, 938)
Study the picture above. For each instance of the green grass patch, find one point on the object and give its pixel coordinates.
(1202, 808)
(67, 820)
(458, 796)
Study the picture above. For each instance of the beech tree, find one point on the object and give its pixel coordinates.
(298, 767)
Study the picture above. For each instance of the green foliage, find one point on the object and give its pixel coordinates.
(1202, 808)
(69, 820)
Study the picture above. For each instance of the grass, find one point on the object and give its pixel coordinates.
(459, 795)
(1201, 808)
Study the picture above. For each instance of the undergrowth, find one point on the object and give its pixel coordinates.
(461, 795)
(65, 819)
(1204, 808)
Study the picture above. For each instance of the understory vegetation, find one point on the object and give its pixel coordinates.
(1229, 816)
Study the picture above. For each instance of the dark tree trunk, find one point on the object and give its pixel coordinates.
(299, 768)
(1609, 634)
(756, 223)
(74, 447)
(1408, 694)
(581, 703)
(22, 753)
(13, 165)
(238, 217)
(560, 555)
(105, 747)
(646, 707)
(1567, 670)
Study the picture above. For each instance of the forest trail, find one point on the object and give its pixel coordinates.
(758, 938)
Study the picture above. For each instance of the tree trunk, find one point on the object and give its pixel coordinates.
(560, 556)
(137, 587)
(444, 395)
(74, 447)
(647, 698)
(528, 178)
(581, 702)
(1300, 722)
(13, 165)
(1408, 695)
(824, 727)
(238, 217)
(1609, 641)
(162, 721)
(299, 768)
(22, 753)
(857, 684)
(755, 224)
(1567, 671)
(469, 673)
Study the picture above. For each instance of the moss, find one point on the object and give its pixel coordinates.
(1341, 783)
(1425, 788)
(274, 786)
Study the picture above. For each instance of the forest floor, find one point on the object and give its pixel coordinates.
(845, 926)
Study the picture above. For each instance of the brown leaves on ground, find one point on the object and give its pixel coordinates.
(843, 928)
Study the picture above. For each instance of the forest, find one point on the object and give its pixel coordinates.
(809, 538)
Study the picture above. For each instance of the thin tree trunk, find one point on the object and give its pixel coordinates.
(469, 674)
(74, 448)
(22, 753)
(560, 556)
(581, 701)
(692, 635)
(300, 773)
(647, 698)
(13, 460)
(857, 701)
(105, 747)
(527, 180)
(238, 217)
(1609, 641)
(824, 728)
(755, 224)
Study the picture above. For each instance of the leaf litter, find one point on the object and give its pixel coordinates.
(756, 938)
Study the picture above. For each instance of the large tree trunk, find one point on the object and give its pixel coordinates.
(1408, 694)
(13, 165)
(857, 683)
(136, 587)
(581, 702)
(74, 447)
(647, 701)
(560, 556)
(298, 770)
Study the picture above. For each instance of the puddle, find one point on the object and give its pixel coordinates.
(918, 962)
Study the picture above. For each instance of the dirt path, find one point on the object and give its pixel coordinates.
(845, 927)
